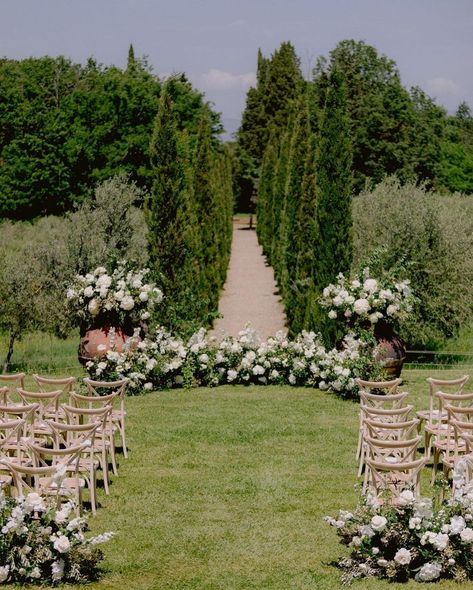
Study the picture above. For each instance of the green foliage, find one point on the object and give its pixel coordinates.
(427, 237)
(189, 217)
(64, 127)
(268, 106)
(333, 252)
(40, 259)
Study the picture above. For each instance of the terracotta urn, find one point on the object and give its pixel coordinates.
(391, 349)
(96, 341)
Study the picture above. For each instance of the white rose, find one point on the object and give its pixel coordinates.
(34, 502)
(127, 303)
(93, 307)
(62, 544)
(457, 524)
(392, 309)
(337, 301)
(403, 557)
(406, 498)
(361, 306)
(356, 541)
(104, 282)
(370, 285)
(88, 291)
(332, 314)
(231, 375)
(148, 386)
(137, 284)
(119, 295)
(378, 523)
(57, 570)
(467, 535)
(70, 294)
(348, 313)
(429, 572)
(258, 370)
(100, 270)
(143, 296)
(145, 316)
(373, 318)
(4, 571)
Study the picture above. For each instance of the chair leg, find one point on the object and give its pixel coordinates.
(427, 444)
(112, 456)
(104, 465)
(435, 464)
(122, 432)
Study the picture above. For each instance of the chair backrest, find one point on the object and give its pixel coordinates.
(13, 381)
(386, 414)
(43, 474)
(395, 477)
(11, 433)
(92, 401)
(395, 400)
(379, 387)
(68, 435)
(402, 430)
(25, 411)
(4, 395)
(452, 386)
(48, 401)
(54, 384)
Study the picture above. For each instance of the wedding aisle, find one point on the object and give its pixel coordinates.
(250, 293)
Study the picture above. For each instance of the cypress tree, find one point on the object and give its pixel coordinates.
(306, 239)
(334, 216)
(289, 244)
(207, 211)
(168, 207)
(264, 206)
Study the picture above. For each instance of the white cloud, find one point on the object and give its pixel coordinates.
(220, 80)
(442, 87)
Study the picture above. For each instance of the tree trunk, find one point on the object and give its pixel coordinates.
(11, 343)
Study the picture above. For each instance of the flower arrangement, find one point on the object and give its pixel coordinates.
(42, 544)
(364, 299)
(165, 361)
(416, 538)
(118, 298)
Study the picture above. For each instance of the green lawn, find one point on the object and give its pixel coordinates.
(226, 489)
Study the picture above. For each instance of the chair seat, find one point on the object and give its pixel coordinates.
(431, 415)
(68, 486)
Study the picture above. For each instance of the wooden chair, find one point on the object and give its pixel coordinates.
(402, 430)
(434, 416)
(386, 409)
(48, 408)
(85, 408)
(390, 452)
(27, 412)
(12, 382)
(450, 446)
(438, 435)
(71, 435)
(394, 478)
(49, 479)
(96, 388)
(45, 384)
(104, 435)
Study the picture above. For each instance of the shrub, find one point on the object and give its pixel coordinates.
(427, 238)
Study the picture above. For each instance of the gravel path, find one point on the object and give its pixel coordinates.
(250, 293)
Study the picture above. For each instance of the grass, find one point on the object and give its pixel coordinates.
(226, 489)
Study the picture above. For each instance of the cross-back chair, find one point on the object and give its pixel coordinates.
(12, 381)
(96, 388)
(434, 416)
(394, 478)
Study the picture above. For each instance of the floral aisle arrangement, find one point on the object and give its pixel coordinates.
(118, 298)
(42, 544)
(165, 361)
(417, 538)
(364, 300)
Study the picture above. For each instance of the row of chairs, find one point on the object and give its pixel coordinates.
(53, 440)
(389, 437)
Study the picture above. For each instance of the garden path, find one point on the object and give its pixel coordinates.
(250, 292)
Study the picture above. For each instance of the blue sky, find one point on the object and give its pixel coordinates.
(215, 41)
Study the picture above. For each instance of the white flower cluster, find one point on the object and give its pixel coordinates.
(167, 361)
(365, 298)
(411, 539)
(42, 544)
(121, 294)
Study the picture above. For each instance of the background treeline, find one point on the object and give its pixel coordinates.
(307, 148)
(126, 167)
(65, 126)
